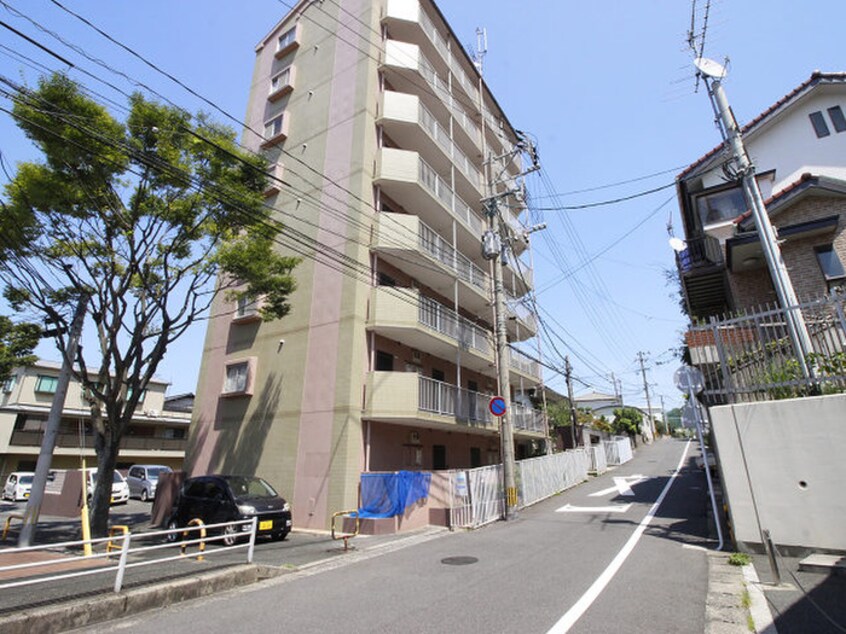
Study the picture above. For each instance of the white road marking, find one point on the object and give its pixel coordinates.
(622, 486)
(616, 508)
(758, 608)
(586, 600)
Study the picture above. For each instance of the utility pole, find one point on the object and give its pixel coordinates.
(769, 240)
(54, 418)
(646, 389)
(664, 417)
(573, 417)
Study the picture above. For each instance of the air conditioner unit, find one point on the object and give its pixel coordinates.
(152, 413)
(414, 437)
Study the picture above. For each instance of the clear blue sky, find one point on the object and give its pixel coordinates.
(606, 88)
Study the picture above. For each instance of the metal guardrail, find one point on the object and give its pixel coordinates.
(126, 549)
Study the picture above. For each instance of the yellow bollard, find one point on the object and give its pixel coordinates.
(196, 522)
(86, 526)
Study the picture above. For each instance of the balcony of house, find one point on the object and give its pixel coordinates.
(517, 277)
(527, 420)
(128, 444)
(406, 398)
(409, 123)
(408, 70)
(410, 245)
(422, 323)
(523, 367)
(520, 322)
(702, 270)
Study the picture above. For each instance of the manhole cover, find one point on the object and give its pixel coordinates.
(459, 561)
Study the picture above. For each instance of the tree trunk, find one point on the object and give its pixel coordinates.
(100, 504)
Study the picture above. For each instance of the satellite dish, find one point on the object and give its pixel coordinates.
(677, 244)
(709, 67)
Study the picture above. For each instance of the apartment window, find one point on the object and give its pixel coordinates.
(830, 264)
(173, 434)
(280, 84)
(9, 384)
(837, 118)
(384, 361)
(237, 378)
(46, 384)
(820, 126)
(274, 128)
(246, 308)
(129, 392)
(286, 41)
(718, 206)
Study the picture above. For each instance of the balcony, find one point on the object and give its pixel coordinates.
(412, 246)
(523, 366)
(412, 182)
(413, 126)
(407, 69)
(703, 275)
(127, 443)
(521, 322)
(404, 315)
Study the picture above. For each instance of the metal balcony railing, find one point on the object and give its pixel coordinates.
(441, 250)
(441, 319)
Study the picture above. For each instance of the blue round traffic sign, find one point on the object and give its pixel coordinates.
(497, 406)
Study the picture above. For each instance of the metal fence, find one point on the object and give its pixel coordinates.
(618, 450)
(477, 496)
(752, 358)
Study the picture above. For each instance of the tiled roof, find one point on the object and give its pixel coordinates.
(816, 78)
(805, 180)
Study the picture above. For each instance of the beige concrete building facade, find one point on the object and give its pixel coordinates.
(384, 143)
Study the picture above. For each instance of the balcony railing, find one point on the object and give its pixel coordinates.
(71, 441)
(524, 364)
(441, 250)
(444, 399)
(527, 418)
(441, 319)
(702, 251)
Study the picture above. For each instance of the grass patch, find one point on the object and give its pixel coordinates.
(739, 559)
(745, 599)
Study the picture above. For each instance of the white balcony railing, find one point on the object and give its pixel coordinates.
(441, 250)
(441, 319)
(524, 364)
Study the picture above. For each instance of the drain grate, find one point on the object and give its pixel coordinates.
(459, 561)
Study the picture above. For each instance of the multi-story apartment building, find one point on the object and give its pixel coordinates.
(798, 147)
(384, 142)
(157, 435)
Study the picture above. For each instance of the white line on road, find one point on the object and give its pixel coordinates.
(622, 486)
(616, 508)
(575, 613)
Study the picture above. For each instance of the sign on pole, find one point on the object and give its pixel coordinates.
(497, 406)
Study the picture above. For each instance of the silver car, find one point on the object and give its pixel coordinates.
(143, 478)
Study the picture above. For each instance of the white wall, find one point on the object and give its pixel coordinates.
(795, 457)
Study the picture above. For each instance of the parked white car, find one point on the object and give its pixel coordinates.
(18, 486)
(143, 479)
(120, 489)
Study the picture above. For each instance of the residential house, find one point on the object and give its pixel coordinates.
(156, 435)
(384, 141)
(798, 148)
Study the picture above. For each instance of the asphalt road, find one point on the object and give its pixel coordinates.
(598, 566)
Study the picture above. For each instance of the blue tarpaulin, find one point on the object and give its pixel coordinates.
(389, 494)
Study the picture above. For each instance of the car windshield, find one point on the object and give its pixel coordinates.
(244, 487)
(153, 472)
(25, 480)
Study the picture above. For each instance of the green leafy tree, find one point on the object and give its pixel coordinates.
(17, 342)
(674, 418)
(627, 420)
(150, 218)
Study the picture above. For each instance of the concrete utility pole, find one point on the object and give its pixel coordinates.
(573, 415)
(646, 389)
(54, 418)
(492, 249)
(769, 241)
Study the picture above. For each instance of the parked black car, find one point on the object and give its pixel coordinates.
(225, 498)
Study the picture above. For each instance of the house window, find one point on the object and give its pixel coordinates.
(273, 128)
(837, 118)
(384, 361)
(237, 375)
(830, 264)
(280, 84)
(246, 308)
(286, 41)
(46, 384)
(719, 206)
(129, 392)
(9, 384)
(820, 126)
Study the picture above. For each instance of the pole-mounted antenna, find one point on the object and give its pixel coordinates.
(481, 48)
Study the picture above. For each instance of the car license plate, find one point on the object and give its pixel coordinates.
(266, 525)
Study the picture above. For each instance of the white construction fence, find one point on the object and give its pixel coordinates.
(477, 497)
(618, 450)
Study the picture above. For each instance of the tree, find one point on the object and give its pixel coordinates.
(17, 342)
(627, 420)
(150, 219)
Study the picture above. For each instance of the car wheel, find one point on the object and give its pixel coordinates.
(279, 536)
(144, 496)
(172, 538)
(231, 535)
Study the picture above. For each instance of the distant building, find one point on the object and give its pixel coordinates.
(384, 137)
(157, 433)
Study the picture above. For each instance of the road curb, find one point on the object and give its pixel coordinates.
(724, 609)
(80, 613)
